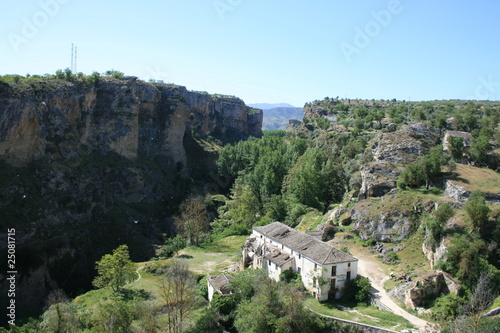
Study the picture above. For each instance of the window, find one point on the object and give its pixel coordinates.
(315, 266)
(269, 263)
(349, 265)
(348, 276)
(299, 256)
(334, 270)
(298, 270)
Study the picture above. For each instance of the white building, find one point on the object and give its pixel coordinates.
(219, 283)
(276, 247)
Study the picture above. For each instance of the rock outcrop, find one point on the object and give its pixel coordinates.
(391, 227)
(461, 195)
(405, 145)
(434, 255)
(128, 116)
(392, 151)
(456, 192)
(430, 287)
(378, 179)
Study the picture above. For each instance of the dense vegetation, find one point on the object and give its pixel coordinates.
(286, 175)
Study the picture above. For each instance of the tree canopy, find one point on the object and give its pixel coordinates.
(115, 270)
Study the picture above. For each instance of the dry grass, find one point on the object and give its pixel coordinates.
(474, 178)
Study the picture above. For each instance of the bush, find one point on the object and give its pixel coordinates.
(392, 256)
(172, 246)
(323, 123)
(370, 242)
(447, 307)
(289, 276)
(357, 290)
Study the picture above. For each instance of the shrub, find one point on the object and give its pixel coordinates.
(370, 242)
(357, 290)
(392, 256)
(172, 246)
(447, 307)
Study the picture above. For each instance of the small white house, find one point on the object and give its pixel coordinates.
(276, 247)
(220, 284)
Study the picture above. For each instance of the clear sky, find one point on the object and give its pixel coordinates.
(267, 51)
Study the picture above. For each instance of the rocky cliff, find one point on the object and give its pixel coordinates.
(85, 167)
(126, 116)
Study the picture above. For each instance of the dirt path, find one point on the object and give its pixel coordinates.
(137, 271)
(369, 268)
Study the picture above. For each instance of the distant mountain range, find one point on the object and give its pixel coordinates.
(267, 106)
(276, 116)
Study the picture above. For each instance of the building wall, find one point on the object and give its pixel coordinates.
(341, 276)
(317, 278)
(210, 292)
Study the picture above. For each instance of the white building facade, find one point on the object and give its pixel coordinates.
(277, 248)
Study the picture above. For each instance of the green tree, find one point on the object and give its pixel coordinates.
(335, 183)
(456, 147)
(476, 209)
(479, 149)
(172, 246)
(239, 214)
(447, 307)
(425, 170)
(357, 290)
(304, 182)
(465, 258)
(436, 224)
(115, 270)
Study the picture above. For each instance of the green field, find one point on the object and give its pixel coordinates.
(369, 315)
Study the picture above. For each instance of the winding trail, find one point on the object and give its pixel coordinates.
(368, 268)
(137, 271)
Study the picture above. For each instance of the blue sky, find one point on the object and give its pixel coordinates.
(267, 51)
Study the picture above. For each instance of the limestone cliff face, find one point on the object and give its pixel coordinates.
(87, 167)
(129, 117)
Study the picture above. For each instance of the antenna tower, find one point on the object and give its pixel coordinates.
(74, 54)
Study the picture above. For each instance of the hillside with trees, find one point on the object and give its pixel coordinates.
(379, 176)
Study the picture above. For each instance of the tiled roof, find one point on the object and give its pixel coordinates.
(307, 246)
(278, 257)
(221, 283)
